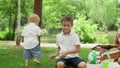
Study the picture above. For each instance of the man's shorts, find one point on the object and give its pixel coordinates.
(71, 61)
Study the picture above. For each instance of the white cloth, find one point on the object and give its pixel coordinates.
(30, 34)
(110, 65)
(68, 42)
(94, 65)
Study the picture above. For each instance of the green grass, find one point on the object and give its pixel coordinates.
(11, 57)
(48, 39)
(111, 36)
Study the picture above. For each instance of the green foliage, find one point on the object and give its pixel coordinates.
(8, 19)
(44, 32)
(118, 23)
(103, 39)
(85, 30)
(57, 9)
(102, 12)
(3, 34)
(6, 35)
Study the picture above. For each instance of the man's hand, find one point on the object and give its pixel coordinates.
(63, 54)
(22, 44)
(51, 57)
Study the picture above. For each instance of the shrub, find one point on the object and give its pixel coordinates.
(86, 30)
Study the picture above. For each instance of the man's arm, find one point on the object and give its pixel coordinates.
(76, 50)
(55, 54)
(57, 51)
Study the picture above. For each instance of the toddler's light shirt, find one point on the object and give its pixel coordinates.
(31, 33)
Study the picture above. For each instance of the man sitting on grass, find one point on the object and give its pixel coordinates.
(68, 46)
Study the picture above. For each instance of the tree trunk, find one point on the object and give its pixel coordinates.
(38, 9)
(14, 27)
(18, 25)
(9, 37)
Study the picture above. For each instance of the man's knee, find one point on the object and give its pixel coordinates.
(119, 60)
(82, 65)
(60, 65)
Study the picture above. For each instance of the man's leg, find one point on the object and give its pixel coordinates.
(60, 64)
(78, 62)
(119, 60)
(82, 65)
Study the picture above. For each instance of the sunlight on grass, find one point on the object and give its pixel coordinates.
(3, 46)
(11, 57)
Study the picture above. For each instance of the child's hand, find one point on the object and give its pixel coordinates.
(51, 57)
(22, 44)
(63, 54)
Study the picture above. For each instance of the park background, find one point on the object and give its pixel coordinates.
(95, 21)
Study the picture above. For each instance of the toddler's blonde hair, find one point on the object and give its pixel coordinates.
(34, 18)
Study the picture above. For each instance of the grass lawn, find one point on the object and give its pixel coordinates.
(11, 57)
(50, 38)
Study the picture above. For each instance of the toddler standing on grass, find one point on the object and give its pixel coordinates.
(31, 38)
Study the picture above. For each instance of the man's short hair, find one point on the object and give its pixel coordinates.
(67, 18)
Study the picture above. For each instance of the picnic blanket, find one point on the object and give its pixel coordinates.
(110, 65)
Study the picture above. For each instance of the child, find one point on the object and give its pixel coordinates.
(68, 46)
(31, 38)
(117, 39)
(117, 42)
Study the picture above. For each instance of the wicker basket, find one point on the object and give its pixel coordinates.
(114, 56)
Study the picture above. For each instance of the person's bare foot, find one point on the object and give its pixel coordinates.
(36, 61)
(26, 64)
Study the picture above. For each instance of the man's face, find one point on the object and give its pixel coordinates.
(66, 26)
(118, 35)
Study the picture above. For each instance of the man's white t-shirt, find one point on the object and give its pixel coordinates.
(68, 42)
(31, 33)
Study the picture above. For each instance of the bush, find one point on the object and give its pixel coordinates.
(6, 35)
(84, 29)
(103, 39)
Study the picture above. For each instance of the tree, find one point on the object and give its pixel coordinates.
(8, 18)
(38, 9)
(18, 25)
